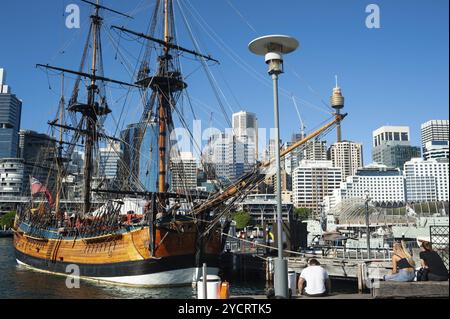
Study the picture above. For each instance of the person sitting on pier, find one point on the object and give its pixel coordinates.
(402, 265)
(432, 262)
(316, 278)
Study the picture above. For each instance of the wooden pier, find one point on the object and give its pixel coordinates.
(405, 290)
(385, 290)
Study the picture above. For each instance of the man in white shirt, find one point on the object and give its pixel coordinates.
(316, 278)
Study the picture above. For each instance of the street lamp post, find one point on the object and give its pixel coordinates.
(273, 47)
(366, 193)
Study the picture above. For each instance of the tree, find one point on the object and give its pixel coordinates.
(303, 213)
(242, 219)
(7, 220)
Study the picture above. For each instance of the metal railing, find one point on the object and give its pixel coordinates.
(440, 241)
(238, 245)
(353, 253)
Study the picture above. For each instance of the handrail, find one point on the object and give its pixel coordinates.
(386, 252)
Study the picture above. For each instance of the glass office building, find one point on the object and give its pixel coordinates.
(395, 155)
(139, 169)
(109, 160)
(10, 112)
(38, 152)
(392, 146)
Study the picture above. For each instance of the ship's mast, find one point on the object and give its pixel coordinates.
(92, 109)
(166, 25)
(163, 103)
(166, 83)
(90, 117)
(59, 159)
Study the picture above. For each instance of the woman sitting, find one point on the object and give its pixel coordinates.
(432, 262)
(402, 265)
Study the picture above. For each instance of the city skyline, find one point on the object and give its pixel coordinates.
(238, 132)
(381, 83)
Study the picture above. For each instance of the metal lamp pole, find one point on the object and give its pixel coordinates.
(281, 278)
(367, 224)
(273, 47)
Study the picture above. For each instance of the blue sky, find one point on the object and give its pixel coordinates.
(396, 75)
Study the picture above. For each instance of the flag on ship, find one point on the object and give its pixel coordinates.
(37, 187)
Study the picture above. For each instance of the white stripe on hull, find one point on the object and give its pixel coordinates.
(179, 277)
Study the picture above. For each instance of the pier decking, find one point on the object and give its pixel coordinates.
(385, 290)
(423, 289)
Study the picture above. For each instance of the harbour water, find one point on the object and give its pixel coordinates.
(18, 282)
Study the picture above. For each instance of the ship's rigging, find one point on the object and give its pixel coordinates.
(160, 92)
(178, 230)
(95, 109)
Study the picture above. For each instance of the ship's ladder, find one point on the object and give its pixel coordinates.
(52, 250)
(56, 249)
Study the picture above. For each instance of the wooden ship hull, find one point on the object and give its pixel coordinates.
(123, 257)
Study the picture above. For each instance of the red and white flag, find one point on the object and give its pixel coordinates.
(37, 187)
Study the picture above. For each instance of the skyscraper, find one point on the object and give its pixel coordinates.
(436, 149)
(286, 181)
(435, 143)
(11, 181)
(225, 156)
(348, 156)
(184, 172)
(392, 146)
(11, 175)
(245, 127)
(10, 113)
(139, 166)
(427, 180)
(313, 150)
(434, 130)
(76, 163)
(38, 152)
(269, 152)
(316, 150)
(109, 161)
(312, 181)
(296, 156)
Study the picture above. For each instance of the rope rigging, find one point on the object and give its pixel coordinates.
(162, 97)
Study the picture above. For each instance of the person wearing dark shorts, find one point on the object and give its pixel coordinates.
(432, 262)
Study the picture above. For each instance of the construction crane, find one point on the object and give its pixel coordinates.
(302, 124)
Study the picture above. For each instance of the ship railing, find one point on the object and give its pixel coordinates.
(256, 246)
(360, 252)
(48, 222)
(233, 245)
(353, 253)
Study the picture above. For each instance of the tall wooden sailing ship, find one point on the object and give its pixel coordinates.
(167, 244)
